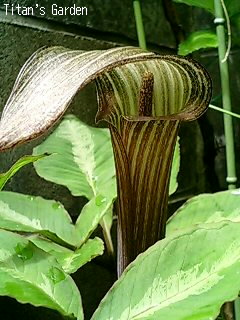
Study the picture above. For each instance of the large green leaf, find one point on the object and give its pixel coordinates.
(70, 260)
(82, 159)
(4, 177)
(20, 212)
(31, 275)
(183, 278)
(205, 209)
(198, 40)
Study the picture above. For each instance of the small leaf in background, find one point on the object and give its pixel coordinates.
(91, 215)
(4, 177)
(82, 160)
(204, 4)
(31, 275)
(19, 212)
(70, 260)
(205, 209)
(233, 6)
(198, 40)
(186, 277)
(175, 169)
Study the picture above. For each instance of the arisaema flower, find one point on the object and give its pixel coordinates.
(142, 96)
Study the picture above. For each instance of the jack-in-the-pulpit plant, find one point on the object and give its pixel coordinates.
(143, 97)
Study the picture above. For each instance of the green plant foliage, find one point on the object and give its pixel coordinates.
(24, 213)
(185, 277)
(205, 4)
(233, 6)
(198, 40)
(70, 260)
(92, 213)
(20, 212)
(206, 209)
(4, 177)
(31, 275)
(82, 159)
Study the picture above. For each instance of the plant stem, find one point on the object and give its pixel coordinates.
(107, 238)
(226, 99)
(139, 24)
(227, 310)
(237, 308)
(233, 114)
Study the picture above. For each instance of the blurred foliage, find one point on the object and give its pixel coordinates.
(202, 39)
(198, 40)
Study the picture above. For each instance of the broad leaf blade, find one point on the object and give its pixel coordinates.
(4, 177)
(70, 260)
(82, 159)
(30, 275)
(198, 40)
(19, 212)
(205, 209)
(186, 277)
